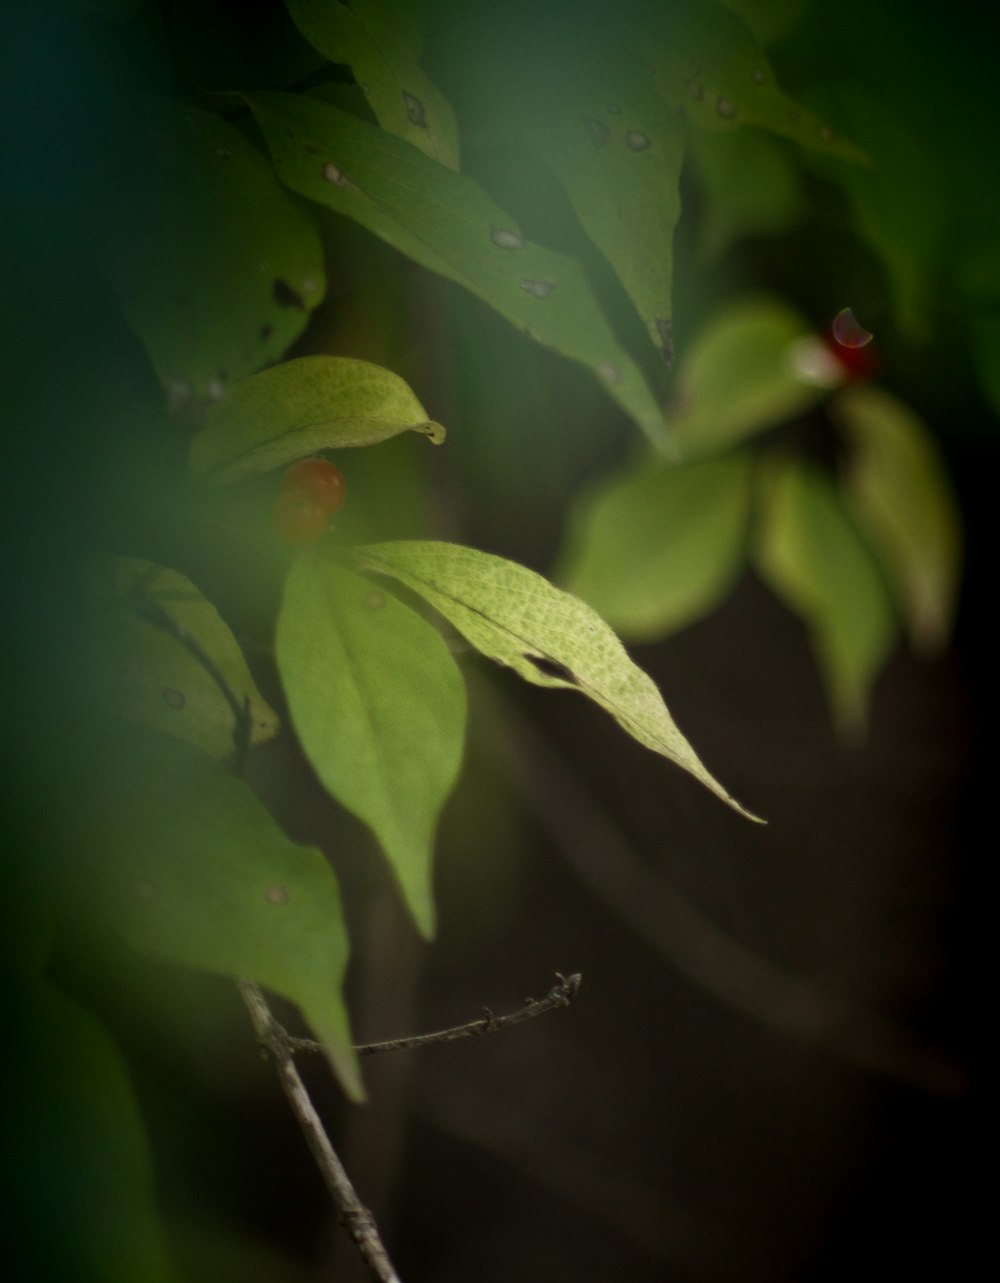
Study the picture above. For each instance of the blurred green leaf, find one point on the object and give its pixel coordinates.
(152, 676)
(708, 63)
(447, 223)
(752, 367)
(379, 707)
(900, 492)
(382, 43)
(546, 636)
(812, 556)
(83, 1202)
(194, 870)
(294, 409)
(750, 186)
(660, 545)
(898, 203)
(216, 267)
(575, 90)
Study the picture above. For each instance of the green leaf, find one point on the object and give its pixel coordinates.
(447, 223)
(751, 368)
(708, 63)
(899, 488)
(576, 91)
(660, 545)
(898, 204)
(812, 556)
(379, 707)
(196, 871)
(751, 188)
(217, 268)
(382, 43)
(83, 1203)
(312, 403)
(547, 636)
(155, 632)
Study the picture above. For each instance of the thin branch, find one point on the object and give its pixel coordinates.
(356, 1219)
(560, 995)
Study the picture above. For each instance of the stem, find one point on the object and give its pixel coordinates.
(560, 995)
(354, 1216)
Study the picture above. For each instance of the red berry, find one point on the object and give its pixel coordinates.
(320, 480)
(299, 518)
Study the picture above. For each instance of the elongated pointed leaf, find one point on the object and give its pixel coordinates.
(708, 63)
(309, 404)
(748, 370)
(197, 872)
(660, 545)
(812, 556)
(572, 86)
(547, 636)
(382, 45)
(83, 1202)
(446, 222)
(379, 707)
(167, 655)
(899, 488)
(217, 269)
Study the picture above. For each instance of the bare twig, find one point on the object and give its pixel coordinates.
(560, 995)
(354, 1216)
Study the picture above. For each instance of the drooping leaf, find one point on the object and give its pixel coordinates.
(382, 43)
(169, 660)
(547, 636)
(574, 88)
(660, 545)
(447, 223)
(898, 203)
(194, 870)
(83, 1203)
(708, 63)
(750, 369)
(899, 488)
(312, 403)
(751, 187)
(217, 269)
(814, 559)
(379, 707)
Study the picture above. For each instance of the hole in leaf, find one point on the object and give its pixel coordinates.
(551, 668)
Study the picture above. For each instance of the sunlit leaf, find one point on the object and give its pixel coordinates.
(217, 268)
(547, 636)
(446, 222)
(382, 42)
(170, 661)
(708, 63)
(747, 371)
(194, 870)
(294, 409)
(76, 1141)
(751, 187)
(660, 545)
(379, 707)
(899, 487)
(812, 556)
